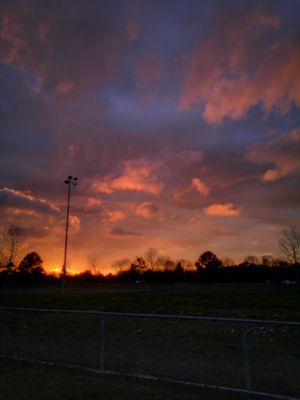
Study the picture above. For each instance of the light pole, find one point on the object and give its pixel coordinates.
(70, 181)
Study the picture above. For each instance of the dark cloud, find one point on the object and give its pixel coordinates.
(281, 153)
(25, 201)
(123, 232)
(63, 44)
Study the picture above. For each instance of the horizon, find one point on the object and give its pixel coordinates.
(180, 120)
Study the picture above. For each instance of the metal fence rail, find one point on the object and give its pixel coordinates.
(244, 355)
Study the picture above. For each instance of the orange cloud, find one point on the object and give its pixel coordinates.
(225, 209)
(200, 186)
(92, 202)
(138, 176)
(114, 216)
(74, 223)
(22, 212)
(147, 210)
(283, 152)
(218, 77)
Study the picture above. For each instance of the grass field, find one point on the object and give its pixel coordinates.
(240, 300)
(199, 351)
(25, 381)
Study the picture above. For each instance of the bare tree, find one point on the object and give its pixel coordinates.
(151, 256)
(251, 260)
(10, 242)
(267, 261)
(93, 260)
(227, 262)
(122, 264)
(186, 264)
(289, 243)
(165, 263)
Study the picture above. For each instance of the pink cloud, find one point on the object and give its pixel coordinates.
(147, 210)
(114, 216)
(138, 175)
(92, 202)
(218, 76)
(283, 152)
(101, 186)
(74, 223)
(225, 209)
(200, 186)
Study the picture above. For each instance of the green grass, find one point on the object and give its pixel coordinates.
(200, 351)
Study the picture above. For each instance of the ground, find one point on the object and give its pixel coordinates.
(200, 351)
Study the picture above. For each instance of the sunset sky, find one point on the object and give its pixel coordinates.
(181, 120)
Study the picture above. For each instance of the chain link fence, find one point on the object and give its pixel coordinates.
(254, 356)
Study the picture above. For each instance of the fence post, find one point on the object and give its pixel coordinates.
(5, 334)
(102, 343)
(246, 356)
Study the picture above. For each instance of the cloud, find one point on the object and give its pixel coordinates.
(281, 152)
(91, 202)
(132, 28)
(200, 186)
(149, 75)
(74, 223)
(232, 70)
(65, 53)
(147, 210)
(114, 216)
(19, 200)
(138, 176)
(190, 157)
(225, 209)
(133, 12)
(123, 232)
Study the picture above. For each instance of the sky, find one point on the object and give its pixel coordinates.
(181, 120)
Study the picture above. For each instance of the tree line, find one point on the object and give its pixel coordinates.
(153, 267)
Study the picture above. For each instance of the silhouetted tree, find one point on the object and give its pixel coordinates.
(122, 264)
(169, 265)
(151, 256)
(139, 265)
(85, 277)
(279, 262)
(186, 264)
(289, 243)
(93, 260)
(10, 241)
(32, 263)
(178, 272)
(227, 262)
(251, 260)
(208, 260)
(267, 261)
